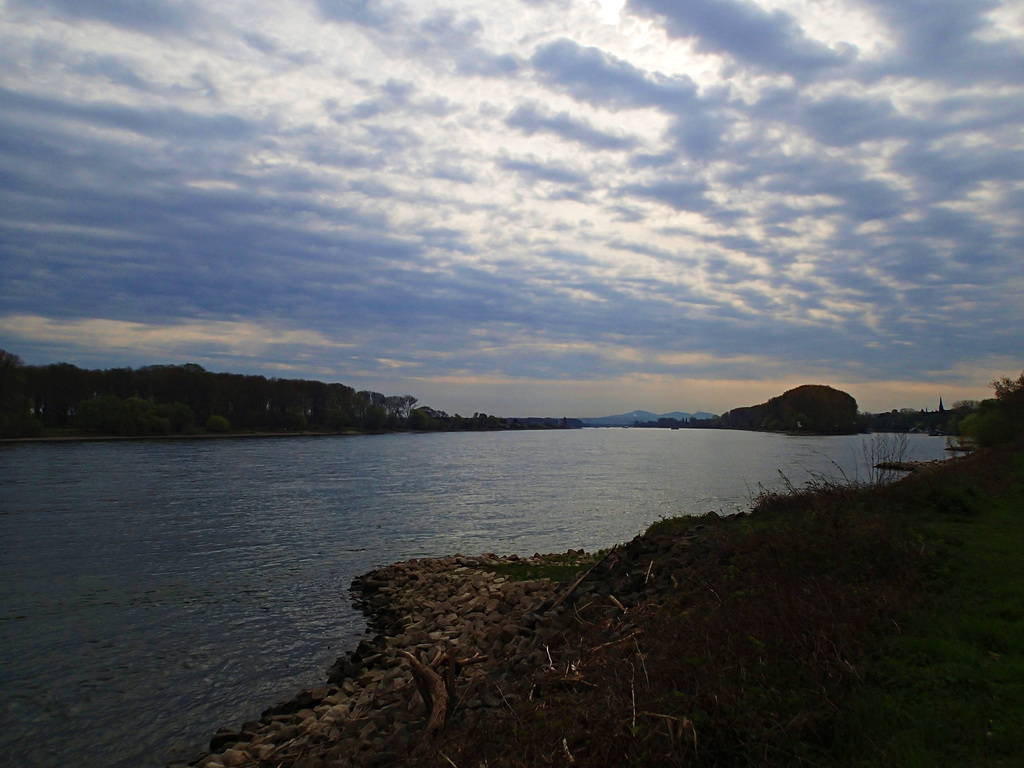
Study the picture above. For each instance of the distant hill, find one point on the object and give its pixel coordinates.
(808, 408)
(641, 417)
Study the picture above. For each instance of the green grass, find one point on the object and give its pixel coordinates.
(949, 689)
(561, 568)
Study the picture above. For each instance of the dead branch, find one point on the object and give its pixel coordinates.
(630, 636)
(436, 697)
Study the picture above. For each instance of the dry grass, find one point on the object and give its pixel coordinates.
(754, 637)
(742, 655)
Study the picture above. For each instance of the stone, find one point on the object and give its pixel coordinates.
(234, 758)
(225, 737)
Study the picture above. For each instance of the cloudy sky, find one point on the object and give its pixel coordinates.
(522, 207)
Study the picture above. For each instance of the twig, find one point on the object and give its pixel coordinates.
(568, 754)
(615, 642)
(707, 586)
(642, 662)
(579, 581)
(472, 660)
(508, 704)
(632, 692)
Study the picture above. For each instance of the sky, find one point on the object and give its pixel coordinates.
(521, 207)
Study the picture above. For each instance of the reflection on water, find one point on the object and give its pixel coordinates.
(151, 592)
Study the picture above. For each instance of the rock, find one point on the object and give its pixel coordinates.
(318, 694)
(372, 711)
(234, 758)
(224, 738)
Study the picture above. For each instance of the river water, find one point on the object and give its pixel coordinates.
(152, 591)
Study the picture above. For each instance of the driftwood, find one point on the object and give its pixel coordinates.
(434, 693)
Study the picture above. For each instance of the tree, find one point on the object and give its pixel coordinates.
(423, 419)
(16, 419)
(297, 419)
(1001, 419)
(1010, 395)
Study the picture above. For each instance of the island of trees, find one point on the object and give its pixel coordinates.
(824, 410)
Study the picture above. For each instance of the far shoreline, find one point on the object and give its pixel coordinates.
(198, 436)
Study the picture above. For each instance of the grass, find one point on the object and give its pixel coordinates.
(559, 568)
(949, 689)
(833, 626)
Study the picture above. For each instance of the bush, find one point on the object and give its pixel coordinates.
(20, 425)
(112, 415)
(179, 416)
(218, 424)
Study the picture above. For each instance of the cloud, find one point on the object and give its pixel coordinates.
(842, 121)
(477, 61)
(770, 40)
(947, 39)
(597, 78)
(531, 119)
(520, 192)
(156, 18)
(534, 172)
(164, 122)
(362, 12)
(679, 194)
(99, 337)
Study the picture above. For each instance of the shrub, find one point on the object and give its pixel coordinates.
(179, 416)
(988, 425)
(20, 425)
(218, 424)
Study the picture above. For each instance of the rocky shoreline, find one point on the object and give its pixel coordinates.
(451, 620)
(455, 637)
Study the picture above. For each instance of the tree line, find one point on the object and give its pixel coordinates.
(187, 399)
(823, 410)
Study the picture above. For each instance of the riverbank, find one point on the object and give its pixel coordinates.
(87, 438)
(767, 638)
(464, 619)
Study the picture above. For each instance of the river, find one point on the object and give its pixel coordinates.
(152, 591)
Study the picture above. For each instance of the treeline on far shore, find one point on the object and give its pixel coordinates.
(822, 410)
(187, 399)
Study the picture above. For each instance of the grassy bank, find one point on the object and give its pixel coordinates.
(832, 627)
(949, 688)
